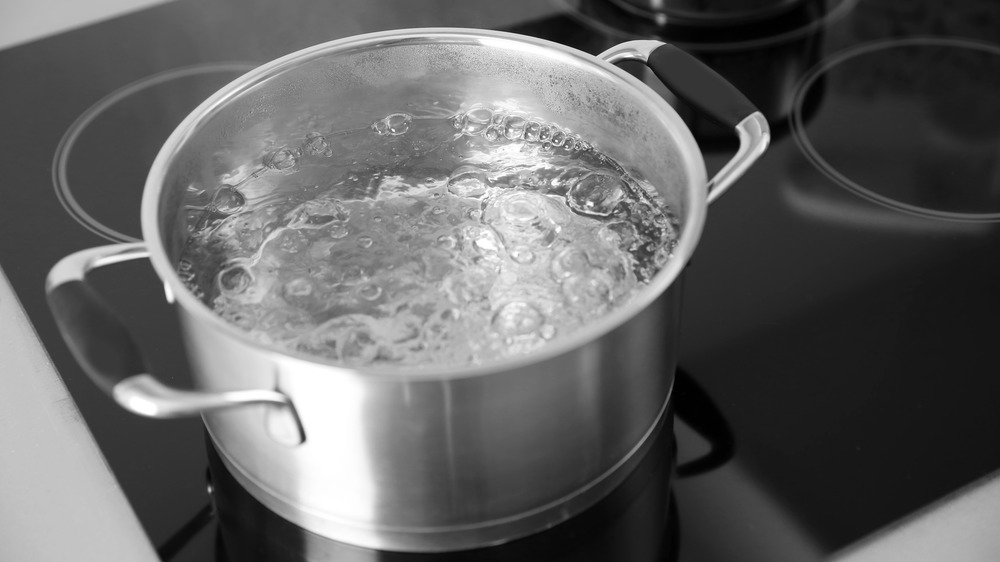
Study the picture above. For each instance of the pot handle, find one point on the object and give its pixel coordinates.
(702, 88)
(109, 355)
(695, 407)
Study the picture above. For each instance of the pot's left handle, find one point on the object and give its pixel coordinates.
(702, 88)
(105, 349)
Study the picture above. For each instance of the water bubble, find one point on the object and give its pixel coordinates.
(513, 127)
(596, 194)
(240, 317)
(621, 234)
(393, 125)
(369, 291)
(477, 120)
(522, 255)
(299, 292)
(531, 131)
(365, 241)
(227, 201)
(483, 240)
(589, 291)
(569, 261)
(447, 241)
(317, 146)
(467, 181)
(234, 280)
(548, 331)
(283, 159)
(525, 218)
(517, 318)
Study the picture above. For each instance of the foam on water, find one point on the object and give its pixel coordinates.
(423, 241)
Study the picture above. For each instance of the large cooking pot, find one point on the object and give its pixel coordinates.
(422, 460)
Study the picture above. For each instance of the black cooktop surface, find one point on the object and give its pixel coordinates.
(839, 313)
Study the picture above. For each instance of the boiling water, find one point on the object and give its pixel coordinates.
(424, 241)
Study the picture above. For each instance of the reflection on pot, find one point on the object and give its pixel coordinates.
(636, 522)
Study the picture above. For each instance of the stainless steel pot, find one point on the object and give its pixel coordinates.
(428, 460)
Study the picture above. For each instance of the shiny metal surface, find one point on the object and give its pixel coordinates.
(146, 396)
(754, 136)
(451, 458)
(75, 266)
(445, 459)
(402, 463)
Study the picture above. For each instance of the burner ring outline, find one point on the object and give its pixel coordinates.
(813, 155)
(60, 162)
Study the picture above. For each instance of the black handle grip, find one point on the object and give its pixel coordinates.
(98, 339)
(697, 85)
(693, 405)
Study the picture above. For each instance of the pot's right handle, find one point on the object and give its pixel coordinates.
(695, 407)
(105, 349)
(702, 88)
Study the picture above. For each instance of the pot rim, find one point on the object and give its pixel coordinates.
(690, 156)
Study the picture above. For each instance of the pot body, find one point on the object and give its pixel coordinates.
(632, 523)
(427, 459)
(441, 464)
(446, 459)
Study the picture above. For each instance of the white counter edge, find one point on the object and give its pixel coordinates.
(961, 527)
(60, 500)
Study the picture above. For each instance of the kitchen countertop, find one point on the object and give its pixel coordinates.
(60, 500)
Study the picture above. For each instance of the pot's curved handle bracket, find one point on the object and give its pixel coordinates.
(109, 355)
(702, 88)
(695, 407)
